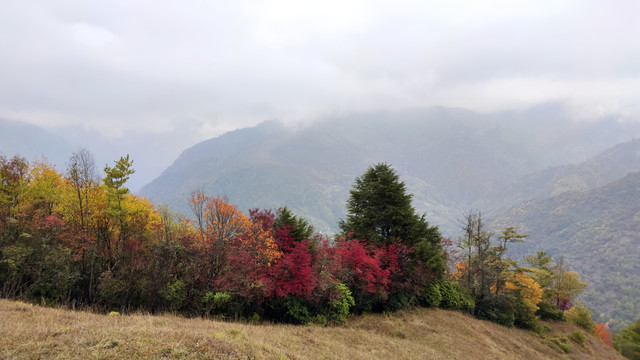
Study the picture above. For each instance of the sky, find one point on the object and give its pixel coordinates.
(184, 71)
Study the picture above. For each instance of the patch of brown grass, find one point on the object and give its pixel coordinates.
(28, 331)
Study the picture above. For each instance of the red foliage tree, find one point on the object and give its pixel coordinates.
(363, 268)
(293, 272)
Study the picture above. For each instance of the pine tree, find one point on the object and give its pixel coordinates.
(380, 211)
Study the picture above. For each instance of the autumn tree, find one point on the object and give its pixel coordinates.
(565, 285)
(81, 174)
(13, 179)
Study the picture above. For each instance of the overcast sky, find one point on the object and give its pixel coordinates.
(154, 66)
(197, 68)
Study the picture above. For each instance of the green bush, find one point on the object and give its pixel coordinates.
(431, 296)
(582, 317)
(296, 311)
(577, 337)
(498, 309)
(340, 307)
(175, 293)
(215, 303)
(561, 344)
(319, 320)
(112, 290)
(254, 319)
(524, 314)
(627, 341)
(398, 300)
(455, 296)
(549, 311)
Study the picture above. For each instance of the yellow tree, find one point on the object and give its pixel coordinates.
(528, 288)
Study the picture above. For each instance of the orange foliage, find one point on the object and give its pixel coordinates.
(461, 270)
(604, 333)
(226, 223)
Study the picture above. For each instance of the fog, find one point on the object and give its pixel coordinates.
(154, 77)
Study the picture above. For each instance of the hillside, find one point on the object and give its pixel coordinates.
(608, 166)
(449, 158)
(598, 232)
(32, 142)
(35, 332)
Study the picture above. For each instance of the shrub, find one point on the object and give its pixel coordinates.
(582, 317)
(342, 305)
(112, 290)
(561, 344)
(524, 314)
(577, 337)
(455, 296)
(319, 320)
(296, 311)
(549, 311)
(627, 341)
(498, 309)
(398, 300)
(175, 293)
(213, 303)
(431, 296)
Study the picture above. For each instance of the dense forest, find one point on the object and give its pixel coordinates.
(78, 240)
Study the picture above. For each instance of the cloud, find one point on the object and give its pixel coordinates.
(155, 66)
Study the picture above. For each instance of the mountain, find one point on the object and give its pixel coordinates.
(450, 159)
(32, 143)
(608, 166)
(598, 233)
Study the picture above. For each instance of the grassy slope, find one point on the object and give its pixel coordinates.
(28, 331)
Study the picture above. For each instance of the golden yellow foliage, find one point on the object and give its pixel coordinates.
(530, 290)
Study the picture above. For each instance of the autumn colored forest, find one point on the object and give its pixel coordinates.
(83, 240)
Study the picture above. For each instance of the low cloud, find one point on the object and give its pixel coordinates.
(155, 66)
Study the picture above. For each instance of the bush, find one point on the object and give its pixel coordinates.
(577, 337)
(341, 306)
(215, 303)
(398, 300)
(561, 344)
(254, 319)
(319, 320)
(296, 311)
(549, 311)
(455, 296)
(498, 309)
(525, 314)
(627, 341)
(582, 317)
(431, 296)
(175, 293)
(111, 290)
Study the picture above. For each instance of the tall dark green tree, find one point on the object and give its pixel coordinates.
(380, 211)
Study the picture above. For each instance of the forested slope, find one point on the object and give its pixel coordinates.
(598, 232)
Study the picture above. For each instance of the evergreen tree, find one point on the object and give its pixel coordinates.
(299, 228)
(380, 211)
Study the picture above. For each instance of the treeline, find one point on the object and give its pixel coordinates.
(79, 240)
(75, 239)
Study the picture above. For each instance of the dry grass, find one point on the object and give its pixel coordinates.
(32, 332)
